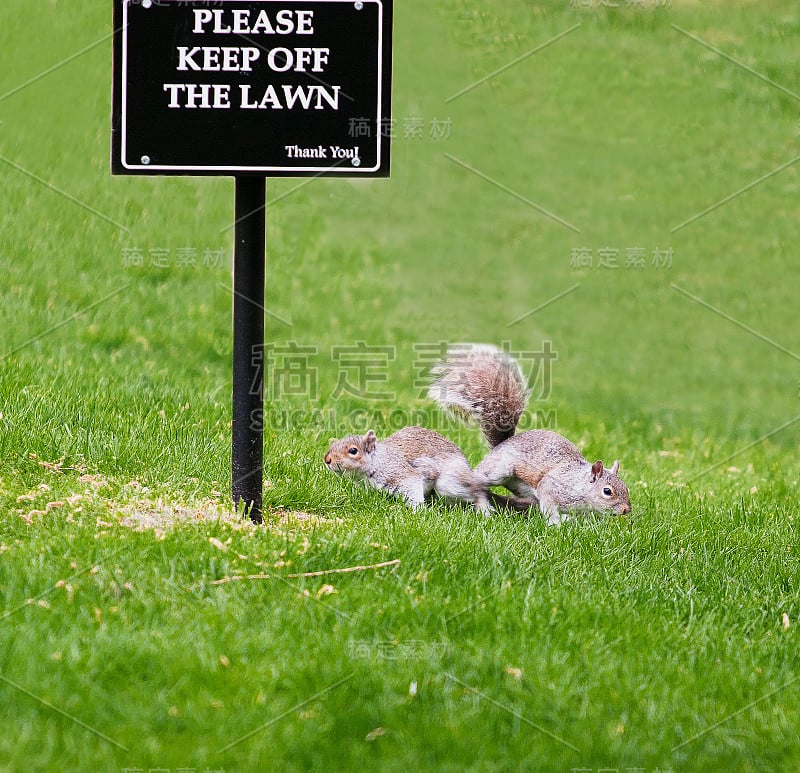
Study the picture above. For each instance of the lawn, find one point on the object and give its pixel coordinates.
(611, 191)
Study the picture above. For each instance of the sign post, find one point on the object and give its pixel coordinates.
(248, 339)
(251, 89)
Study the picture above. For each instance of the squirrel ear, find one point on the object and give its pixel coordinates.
(369, 441)
(615, 467)
(597, 470)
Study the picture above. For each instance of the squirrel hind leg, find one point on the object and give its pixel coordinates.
(496, 469)
(456, 480)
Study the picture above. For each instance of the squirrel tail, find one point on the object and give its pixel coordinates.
(483, 383)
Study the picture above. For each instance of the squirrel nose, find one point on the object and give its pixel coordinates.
(327, 458)
(625, 510)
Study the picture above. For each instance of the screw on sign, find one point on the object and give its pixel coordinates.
(250, 89)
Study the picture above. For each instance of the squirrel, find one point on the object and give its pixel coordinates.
(487, 384)
(414, 462)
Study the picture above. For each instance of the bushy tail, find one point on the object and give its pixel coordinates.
(484, 383)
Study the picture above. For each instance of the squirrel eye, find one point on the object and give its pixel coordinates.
(607, 491)
(353, 451)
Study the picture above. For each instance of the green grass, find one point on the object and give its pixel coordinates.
(655, 642)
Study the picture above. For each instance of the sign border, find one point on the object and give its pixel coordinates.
(120, 165)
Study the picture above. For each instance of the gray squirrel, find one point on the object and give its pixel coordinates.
(487, 384)
(413, 463)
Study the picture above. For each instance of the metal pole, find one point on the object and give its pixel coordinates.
(249, 259)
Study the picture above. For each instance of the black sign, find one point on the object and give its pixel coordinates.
(273, 87)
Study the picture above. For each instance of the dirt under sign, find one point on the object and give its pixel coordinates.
(264, 86)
